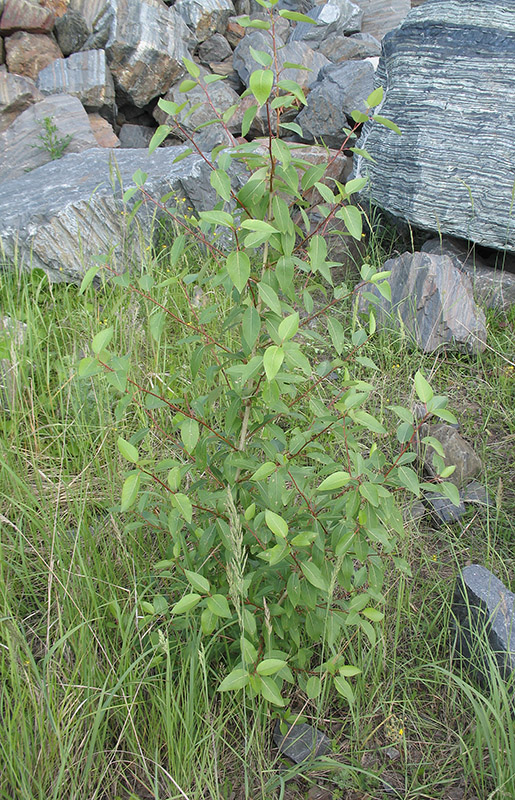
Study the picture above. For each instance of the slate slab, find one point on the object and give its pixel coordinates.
(83, 75)
(16, 94)
(301, 742)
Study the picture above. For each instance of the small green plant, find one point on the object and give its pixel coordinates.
(53, 144)
(271, 479)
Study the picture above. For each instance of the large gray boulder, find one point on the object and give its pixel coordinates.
(334, 17)
(432, 301)
(382, 16)
(70, 211)
(21, 144)
(83, 75)
(448, 73)
(205, 17)
(293, 52)
(338, 90)
(16, 94)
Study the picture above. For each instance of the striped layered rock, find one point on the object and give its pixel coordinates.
(334, 17)
(83, 75)
(145, 49)
(382, 16)
(26, 15)
(448, 73)
(205, 17)
(28, 53)
(16, 94)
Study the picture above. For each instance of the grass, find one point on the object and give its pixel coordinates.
(99, 700)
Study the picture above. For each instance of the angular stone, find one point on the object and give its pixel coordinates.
(434, 300)
(382, 16)
(16, 94)
(205, 17)
(28, 53)
(135, 135)
(492, 285)
(235, 32)
(103, 131)
(484, 618)
(222, 96)
(216, 48)
(337, 92)
(71, 31)
(301, 742)
(444, 510)
(334, 17)
(448, 86)
(83, 75)
(67, 212)
(12, 336)
(21, 143)
(25, 15)
(346, 48)
(59, 7)
(2, 51)
(294, 52)
(457, 452)
(477, 494)
(145, 49)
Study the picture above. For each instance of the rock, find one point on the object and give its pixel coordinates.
(476, 493)
(337, 92)
(16, 94)
(28, 53)
(21, 145)
(492, 286)
(449, 88)
(382, 16)
(216, 48)
(433, 299)
(59, 7)
(103, 131)
(2, 51)
(24, 15)
(222, 96)
(301, 742)
(205, 17)
(294, 52)
(99, 18)
(12, 336)
(334, 17)
(71, 31)
(135, 135)
(67, 213)
(484, 619)
(458, 453)
(444, 511)
(145, 49)
(235, 32)
(83, 75)
(346, 48)
(226, 68)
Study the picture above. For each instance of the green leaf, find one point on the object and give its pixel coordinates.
(375, 97)
(139, 177)
(250, 326)
(289, 326)
(409, 479)
(88, 367)
(270, 298)
(158, 138)
(217, 218)
(102, 339)
(193, 69)
(248, 119)
(269, 666)
(88, 278)
(334, 481)
(270, 691)
(348, 670)
(352, 219)
(264, 471)
(186, 603)
(237, 679)
(128, 450)
(183, 504)
(197, 581)
(450, 491)
(296, 16)
(190, 433)
(130, 490)
(373, 614)
(238, 267)
(261, 57)
(221, 183)
(157, 324)
(260, 84)
(344, 688)
(218, 604)
(336, 333)
(186, 85)
(276, 524)
(387, 123)
(422, 388)
(314, 576)
(313, 687)
(272, 360)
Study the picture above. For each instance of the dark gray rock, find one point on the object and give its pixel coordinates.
(337, 92)
(83, 75)
(216, 48)
(433, 299)
(484, 617)
(444, 511)
(448, 72)
(476, 494)
(145, 49)
(16, 94)
(135, 135)
(301, 742)
(347, 48)
(71, 31)
(21, 145)
(493, 286)
(69, 211)
(457, 452)
(382, 16)
(294, 52)
(334, 17)
(205, 17)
